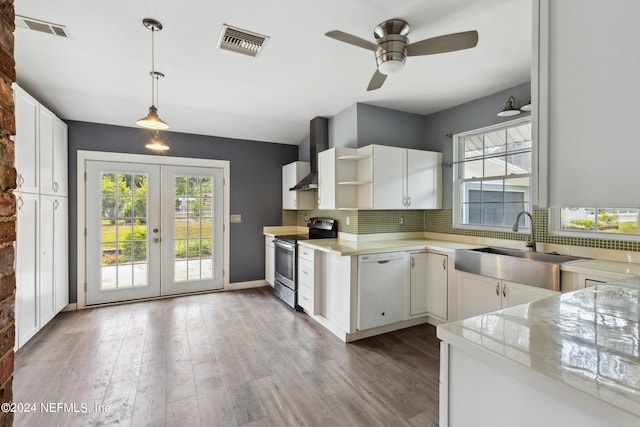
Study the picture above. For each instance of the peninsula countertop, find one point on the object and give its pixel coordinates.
(586, 341)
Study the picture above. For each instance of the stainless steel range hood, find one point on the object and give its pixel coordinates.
(318, 141)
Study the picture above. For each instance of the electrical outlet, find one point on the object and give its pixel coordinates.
(401, 220)
(348, 220)
(235, 218)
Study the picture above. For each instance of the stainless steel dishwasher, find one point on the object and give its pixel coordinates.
(381, 289)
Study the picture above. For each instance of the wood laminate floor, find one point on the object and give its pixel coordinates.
(238, 358)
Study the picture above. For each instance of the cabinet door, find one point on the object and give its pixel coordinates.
(61, 252)
(46, 292)
(45, 138)
(26, 267)
(26, 141)
(437, 285)
(60, 155)
(423, 179)
(291, 175)
(269, 260)
(479, 295)
(419, 284)
(388, 177)
(327, 179)
(516, 294)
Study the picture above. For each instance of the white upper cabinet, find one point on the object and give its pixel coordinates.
(406, 179)
(291, 175)
(26, 141)
(41, 147)
(344, 178)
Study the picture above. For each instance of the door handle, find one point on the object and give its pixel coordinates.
(504, 291)
(498, 289)
(156, 239)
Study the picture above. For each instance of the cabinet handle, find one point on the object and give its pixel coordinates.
(408, 201)
(55, 204)
(413, 262)
(295, 203)
(498, 289)
(20, 180)
(20, 203)
(444, 263)
(504, 291)
(55, 187)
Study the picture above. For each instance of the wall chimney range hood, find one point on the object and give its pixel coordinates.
(318, 141)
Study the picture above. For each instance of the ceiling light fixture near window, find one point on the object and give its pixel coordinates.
(509, 108)
(241, 41)
(152, 120)
(42, 26)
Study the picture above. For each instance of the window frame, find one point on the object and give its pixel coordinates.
(555, 229)
(458, 183)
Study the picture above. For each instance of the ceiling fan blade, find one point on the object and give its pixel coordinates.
(348, 38)
(442, 44)
(376, 81)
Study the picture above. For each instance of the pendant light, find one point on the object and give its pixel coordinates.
(156, 143)
(152, 120)
(509, 108)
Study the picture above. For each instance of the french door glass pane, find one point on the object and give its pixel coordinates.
(193, 221)
(124, 240)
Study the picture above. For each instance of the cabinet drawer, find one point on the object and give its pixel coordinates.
(305, 298)
(268, 241)
(305, 272)
(306, 253)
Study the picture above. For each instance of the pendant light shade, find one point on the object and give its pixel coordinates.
(509, 108)
(156, 144)
(152, 120)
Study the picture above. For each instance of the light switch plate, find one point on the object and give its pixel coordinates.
(236, 218)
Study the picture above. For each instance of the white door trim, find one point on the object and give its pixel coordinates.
(84, 156)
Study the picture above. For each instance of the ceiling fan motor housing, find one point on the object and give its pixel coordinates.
(391, 37)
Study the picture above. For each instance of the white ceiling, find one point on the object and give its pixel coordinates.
(101, 74)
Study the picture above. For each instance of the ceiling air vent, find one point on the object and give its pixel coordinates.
(42, 26)
(241, 41)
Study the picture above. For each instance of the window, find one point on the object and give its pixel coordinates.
(611, 221)
(492, 173)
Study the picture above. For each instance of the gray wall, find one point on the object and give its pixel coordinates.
(256, 180)
(383, 126)
(471, 115)
(343, 131)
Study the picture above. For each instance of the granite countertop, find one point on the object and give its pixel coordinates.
(587, 340)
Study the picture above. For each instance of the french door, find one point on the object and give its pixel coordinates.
(152, 230)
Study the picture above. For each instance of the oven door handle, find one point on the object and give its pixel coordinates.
(284, 245)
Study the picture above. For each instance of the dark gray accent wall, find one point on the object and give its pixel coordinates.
(471, 115)
(377, 125)
(256, 185)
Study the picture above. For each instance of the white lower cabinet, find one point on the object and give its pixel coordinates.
(429, 285)
(42, 273)
(306, 281)
(27, 271)
(481, 294)
(269, 260)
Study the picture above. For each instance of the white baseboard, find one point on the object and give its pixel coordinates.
(246, 285)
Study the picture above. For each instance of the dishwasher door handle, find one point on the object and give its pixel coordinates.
(383, 261)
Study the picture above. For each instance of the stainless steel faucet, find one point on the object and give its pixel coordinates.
(531, 243)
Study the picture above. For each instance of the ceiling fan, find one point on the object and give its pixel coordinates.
(392, 46)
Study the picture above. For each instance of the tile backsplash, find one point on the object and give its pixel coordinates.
(440, 221)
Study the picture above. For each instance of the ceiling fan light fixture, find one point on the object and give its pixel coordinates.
(509, 108)
(391, 66)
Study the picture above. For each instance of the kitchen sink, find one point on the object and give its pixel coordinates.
(529, 268)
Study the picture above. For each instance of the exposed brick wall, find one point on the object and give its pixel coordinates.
(7, 207)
